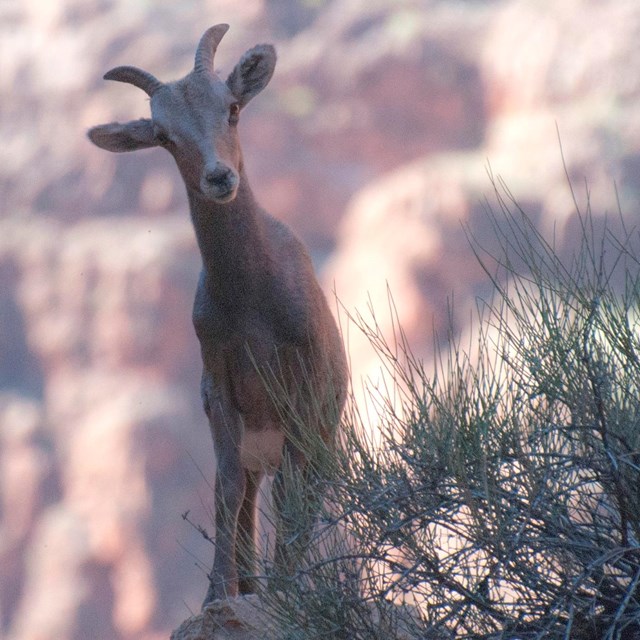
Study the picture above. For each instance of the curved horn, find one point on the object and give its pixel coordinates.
(207, 47)
(137, 77)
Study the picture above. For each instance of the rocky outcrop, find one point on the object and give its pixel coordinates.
(248, 618)
(241, 618)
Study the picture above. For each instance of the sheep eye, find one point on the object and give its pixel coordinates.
(234, 113)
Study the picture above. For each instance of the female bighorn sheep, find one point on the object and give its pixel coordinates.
(274, 367)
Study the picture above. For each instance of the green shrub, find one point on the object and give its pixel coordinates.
(502, 499)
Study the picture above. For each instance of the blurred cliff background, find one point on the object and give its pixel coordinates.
(373, 141)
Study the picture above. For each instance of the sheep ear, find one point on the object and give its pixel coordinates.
(252, 74)
(130, 136)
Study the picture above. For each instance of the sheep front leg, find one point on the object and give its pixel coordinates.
(230, 489)
(229, 494)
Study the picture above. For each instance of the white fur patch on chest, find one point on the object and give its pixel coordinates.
(261, 450)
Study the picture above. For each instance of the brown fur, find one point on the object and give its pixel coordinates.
(261, 318)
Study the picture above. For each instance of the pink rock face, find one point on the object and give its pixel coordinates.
(403, 233)
(83, 464)
(372, 141)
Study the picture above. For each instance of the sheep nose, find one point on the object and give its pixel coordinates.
(219, 175)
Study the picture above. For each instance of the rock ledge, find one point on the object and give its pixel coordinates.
(241, 618)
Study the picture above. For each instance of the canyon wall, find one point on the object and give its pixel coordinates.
(376, 141)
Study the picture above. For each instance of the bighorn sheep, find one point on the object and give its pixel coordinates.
(261, 318)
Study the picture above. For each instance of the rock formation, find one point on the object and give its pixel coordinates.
(241, 618)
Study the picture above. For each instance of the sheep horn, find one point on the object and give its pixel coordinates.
(207, 48)
(137, 77)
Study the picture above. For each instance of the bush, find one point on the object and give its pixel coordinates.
(502, 499)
